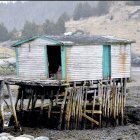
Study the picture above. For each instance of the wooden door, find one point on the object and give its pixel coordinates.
(106, 61)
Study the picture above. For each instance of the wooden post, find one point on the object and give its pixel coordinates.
(122, 99)
(125, 82)
(62, 109)
(85, 102)
(93, 105)
(1, 106)
(18, 97)
(117, 106)
(80, 107)
(67, 116)
(13, 107)
(101, 103)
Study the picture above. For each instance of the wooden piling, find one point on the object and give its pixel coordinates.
(73, 107)
(1, 106)
(13, 108)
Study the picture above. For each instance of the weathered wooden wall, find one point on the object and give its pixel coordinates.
(84, 62)
(31, 59)
(31, 63)
(120, 61)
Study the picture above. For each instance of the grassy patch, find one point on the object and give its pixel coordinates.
(7, 71)
(6, 52)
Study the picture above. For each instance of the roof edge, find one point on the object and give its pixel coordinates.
(35, 37)
(69, 43)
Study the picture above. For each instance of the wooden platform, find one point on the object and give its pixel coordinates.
(17, 81)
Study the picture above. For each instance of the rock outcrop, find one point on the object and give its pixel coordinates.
(7, 136)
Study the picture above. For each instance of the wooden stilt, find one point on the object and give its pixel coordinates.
(42, 104)
(84, 110)
(50, 106)
(124, 102)
(118, 104)
(93, 106)
(80, 107)
(100, 92)
(122, 99)
(18, 97)
(74, 106)
(62, 109)
(1, 106)
(13, 108)
(21, 101)
(29, 102)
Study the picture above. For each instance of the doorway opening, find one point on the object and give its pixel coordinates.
(54, 62)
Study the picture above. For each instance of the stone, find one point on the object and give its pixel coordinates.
(20, 138)
(4, 134)
(41, 138)
(4, 138)
(27, 136)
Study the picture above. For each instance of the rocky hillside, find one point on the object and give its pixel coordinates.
(121, 21)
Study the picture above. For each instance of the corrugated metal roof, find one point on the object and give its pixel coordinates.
(79, 39)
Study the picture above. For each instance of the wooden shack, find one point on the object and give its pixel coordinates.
(82, 77)
(79, 58)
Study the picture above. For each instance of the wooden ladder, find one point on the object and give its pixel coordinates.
(92, 108)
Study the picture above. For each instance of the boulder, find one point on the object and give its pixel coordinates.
(6, 136)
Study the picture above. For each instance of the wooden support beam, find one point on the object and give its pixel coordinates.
(62, 109)
(90, 119)
(13, 107)
(122, 99)
(1, 106)
(93, 105)
(94, 111)
(85, 103)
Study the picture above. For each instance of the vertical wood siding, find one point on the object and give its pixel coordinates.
(84, 62)
(120, 61)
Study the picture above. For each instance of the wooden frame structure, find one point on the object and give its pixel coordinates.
(91, 90)
(76, 105)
